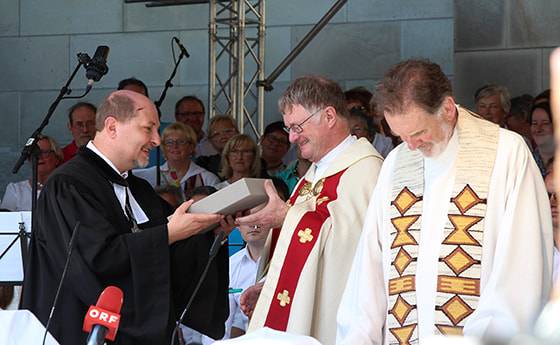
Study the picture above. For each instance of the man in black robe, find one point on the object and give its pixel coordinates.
(156, 263)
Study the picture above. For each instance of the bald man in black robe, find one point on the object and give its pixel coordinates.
(156, 264)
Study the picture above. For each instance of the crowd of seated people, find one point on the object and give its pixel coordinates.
(220, 156)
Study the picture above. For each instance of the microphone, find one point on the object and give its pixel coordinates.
(97, 67)
(212, 253)
(102, 320)
(183, 49)
(71, 246)
(216, 245)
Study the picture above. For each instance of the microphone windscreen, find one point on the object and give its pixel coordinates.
(111, 299)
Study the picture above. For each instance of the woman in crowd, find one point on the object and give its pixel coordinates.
(178, 143)
(240, 159)
(542, 131)
(362, 125)
(18, 194)
(220, 129)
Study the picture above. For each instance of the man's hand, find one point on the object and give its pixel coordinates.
(184, 225)
(249, 299)
(227, 224)
(271, 216)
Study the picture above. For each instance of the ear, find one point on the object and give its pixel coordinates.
(111, 125)
(449, 108)
(331, 116)
(69, 127)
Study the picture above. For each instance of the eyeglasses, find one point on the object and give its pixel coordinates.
(46, 153)
(276, 140)
(226, 132)
(190, 113)
(358, 107)
(297, 128)
(553, 196)
(358, 129)
(179, 142)
(245, 152)
(80, 125)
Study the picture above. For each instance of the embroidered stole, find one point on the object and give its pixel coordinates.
(458, 280)
(303, 239)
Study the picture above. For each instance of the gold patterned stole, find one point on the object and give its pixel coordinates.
(458, 281)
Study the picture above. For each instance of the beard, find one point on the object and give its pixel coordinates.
(140, 163)
(137, 164)
(431, 149)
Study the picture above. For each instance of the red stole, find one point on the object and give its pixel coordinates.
(303, 240)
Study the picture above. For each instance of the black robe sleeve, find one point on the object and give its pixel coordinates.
(107, 253)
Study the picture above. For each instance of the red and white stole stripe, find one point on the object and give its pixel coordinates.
(304, 238)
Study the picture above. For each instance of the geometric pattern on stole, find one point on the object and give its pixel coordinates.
(458, 284)
(302, 242)
(406, 211)
(460, 254)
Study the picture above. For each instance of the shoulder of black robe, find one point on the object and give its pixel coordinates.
(107, 253)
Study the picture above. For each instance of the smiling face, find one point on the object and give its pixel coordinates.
(220, 133)
(177, 152)
(423, 131)
(311, 140)
(491, 109)
(541, 128)
(138, 136)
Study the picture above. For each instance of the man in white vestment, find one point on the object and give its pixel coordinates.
(458, 237)
(322, 222)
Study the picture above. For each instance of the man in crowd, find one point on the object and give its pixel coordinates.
(322, 221)
(275, 145)
(493, 103)
(445, 247)
(124, 238)
(190, 111)
(133, 84)
(81, 125)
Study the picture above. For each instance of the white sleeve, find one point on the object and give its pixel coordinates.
(517, 247)
(11, 198)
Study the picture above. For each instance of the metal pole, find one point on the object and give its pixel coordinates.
(267, 83)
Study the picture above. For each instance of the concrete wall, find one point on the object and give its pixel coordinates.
(39, 41)
(504, 42)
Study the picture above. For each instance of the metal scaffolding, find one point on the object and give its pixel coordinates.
(237, 43)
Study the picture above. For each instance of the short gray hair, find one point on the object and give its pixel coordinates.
(494, 89)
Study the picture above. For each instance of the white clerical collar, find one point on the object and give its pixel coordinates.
(322, 165)
(92, 147)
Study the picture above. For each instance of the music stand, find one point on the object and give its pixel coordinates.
(15, 229)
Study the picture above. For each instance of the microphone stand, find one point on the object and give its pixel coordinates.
(31, 149)
(211, 255)
(168, 84)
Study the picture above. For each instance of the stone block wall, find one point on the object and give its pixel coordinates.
(504, 41)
